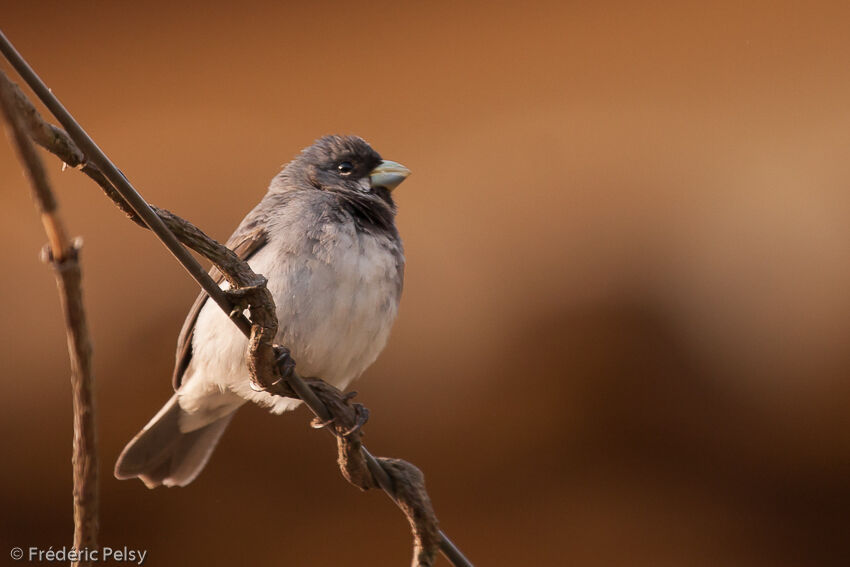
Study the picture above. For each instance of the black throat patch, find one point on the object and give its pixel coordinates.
(374, 213)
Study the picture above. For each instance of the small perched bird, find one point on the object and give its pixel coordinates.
(324, 236)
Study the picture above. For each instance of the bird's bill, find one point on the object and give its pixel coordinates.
(388, 174)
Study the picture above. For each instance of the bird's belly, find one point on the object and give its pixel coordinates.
(334, 312)
(335, 317)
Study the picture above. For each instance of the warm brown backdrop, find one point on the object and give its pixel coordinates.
(624, 334)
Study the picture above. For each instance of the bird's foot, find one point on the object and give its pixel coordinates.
(284, 360)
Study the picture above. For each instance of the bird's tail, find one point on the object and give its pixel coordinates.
(162, 454)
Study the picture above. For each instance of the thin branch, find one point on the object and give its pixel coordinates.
(64, 257)
(271, 370)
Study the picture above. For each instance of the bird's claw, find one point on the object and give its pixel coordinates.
(361, 413)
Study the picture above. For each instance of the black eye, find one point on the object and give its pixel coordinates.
(345, 167)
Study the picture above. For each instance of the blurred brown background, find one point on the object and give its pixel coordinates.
(624, 334)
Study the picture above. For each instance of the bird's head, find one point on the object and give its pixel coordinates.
(345, 164)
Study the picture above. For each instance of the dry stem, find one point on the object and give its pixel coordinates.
(64, 257)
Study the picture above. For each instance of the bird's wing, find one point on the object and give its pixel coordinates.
(245, 242)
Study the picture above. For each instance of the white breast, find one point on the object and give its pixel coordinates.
(335, 308)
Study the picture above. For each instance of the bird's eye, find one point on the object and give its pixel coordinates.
(345, 168)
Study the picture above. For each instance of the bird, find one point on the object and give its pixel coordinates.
(324, 236)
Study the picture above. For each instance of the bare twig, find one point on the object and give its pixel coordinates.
(400, 480)
(64, 257)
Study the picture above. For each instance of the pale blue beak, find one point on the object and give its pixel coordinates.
(388, 174)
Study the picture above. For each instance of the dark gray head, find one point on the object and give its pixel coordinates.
(345, 165)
